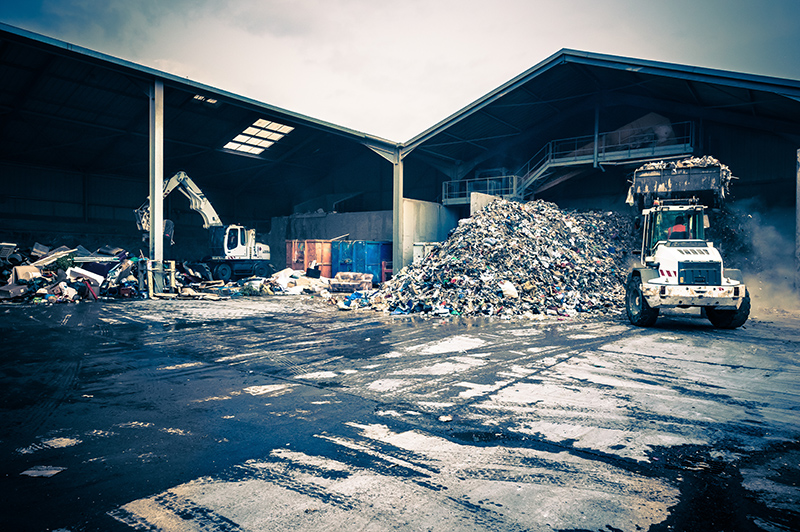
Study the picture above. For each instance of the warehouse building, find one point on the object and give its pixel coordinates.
(85, 137)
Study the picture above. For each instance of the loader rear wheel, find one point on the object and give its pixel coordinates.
(730, 319)
(639, 312)
(223, 272)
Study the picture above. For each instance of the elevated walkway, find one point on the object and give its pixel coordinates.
(542, 170)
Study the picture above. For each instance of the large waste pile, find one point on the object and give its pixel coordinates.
(519, 259)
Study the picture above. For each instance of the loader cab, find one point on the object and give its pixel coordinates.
(665, 223)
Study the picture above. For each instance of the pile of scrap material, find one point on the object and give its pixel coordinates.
(40, 274)
(519, 259)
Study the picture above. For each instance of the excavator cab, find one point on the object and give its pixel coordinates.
(236, 242)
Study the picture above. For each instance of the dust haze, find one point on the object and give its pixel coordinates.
(761, 243)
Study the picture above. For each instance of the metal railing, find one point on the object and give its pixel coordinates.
(622, 144)
(459, 191)
(613, 145)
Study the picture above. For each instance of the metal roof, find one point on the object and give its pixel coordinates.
(559, 97)
(76, 109)
(67, 107)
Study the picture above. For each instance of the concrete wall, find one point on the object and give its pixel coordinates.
(371, 226)
(425, 222)
(478, 200)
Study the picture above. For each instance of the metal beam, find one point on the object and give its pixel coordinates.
(596, 134)
(395, 156)
(157, 171)
(797, 228)
(398, 218)
(714, 114)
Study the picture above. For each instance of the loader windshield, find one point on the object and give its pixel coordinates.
(683, 224)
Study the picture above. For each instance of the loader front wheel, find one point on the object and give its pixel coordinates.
(730, 319)
(639, 312)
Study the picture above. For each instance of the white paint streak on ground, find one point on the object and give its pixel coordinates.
(526, 332)
(479, 390)
(238, 357)
(453, 365)
(305, 459)
(454, 344)
(59, 443)
(388, 385)
(101, 433)
(272, 390)
(52, 443)
(42, 471)
(135, 425)
(583, 336)
(177, 432)
(434, 404)
(182, 366)
(216, 398)
(317, 375)
(541, 348)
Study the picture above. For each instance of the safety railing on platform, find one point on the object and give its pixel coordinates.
(613, 145)
(619, 145)
(458, 192)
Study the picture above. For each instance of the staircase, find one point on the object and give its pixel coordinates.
(540, 171)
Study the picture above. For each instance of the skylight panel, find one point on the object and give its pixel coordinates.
(199, 98)
(258, 137)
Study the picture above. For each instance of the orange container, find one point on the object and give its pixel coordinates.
(301, 253)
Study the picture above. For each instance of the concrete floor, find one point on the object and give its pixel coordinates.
(283, 414)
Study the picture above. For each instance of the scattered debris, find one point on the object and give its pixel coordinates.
(510, 259)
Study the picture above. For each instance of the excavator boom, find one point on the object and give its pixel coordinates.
(197, 202)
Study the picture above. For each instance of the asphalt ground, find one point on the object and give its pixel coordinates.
(281, 413)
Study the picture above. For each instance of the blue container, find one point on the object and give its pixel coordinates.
(368, 255)
(360, 256)
(341, 256)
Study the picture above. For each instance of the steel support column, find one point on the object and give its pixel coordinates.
(398, 220)
(797, 227)
(157, 171)
(596, 133)
(394, 154)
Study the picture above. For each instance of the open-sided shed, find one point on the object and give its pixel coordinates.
(77, 143)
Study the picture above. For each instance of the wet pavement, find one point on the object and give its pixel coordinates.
(282, 414)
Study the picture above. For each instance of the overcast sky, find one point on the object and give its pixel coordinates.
(394, 69)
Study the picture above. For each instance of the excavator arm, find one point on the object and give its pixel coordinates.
(197, 202)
